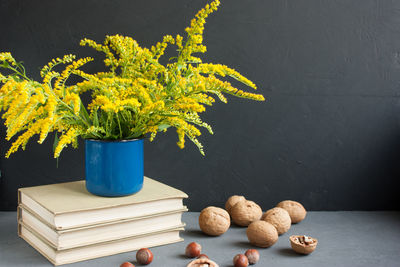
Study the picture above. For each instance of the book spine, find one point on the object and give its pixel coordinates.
(19, 196)
(19, 230)
(19, 217)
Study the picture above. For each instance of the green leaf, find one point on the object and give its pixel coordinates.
(55, 143)
(84, 114)
(95, 118)
(163, 126)
(134, 135)
(5, 64)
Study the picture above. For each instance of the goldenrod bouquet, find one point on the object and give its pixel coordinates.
(136, 96)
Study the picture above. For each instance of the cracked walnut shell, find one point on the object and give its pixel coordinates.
(279, 218)
(262, 234)
(202, 263)
(303, 244)
(245, 212)
(296, 211)
(214, 221)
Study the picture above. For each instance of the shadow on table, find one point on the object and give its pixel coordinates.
(288, 252)
(193, 233)
(242, 244)
(23, 255)
(183, 257)
(235, 226)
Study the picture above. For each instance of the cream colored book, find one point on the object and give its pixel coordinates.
(70, 205)
(83, 236)
(97, 250)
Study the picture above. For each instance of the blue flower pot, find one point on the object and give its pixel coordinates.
(114, 168)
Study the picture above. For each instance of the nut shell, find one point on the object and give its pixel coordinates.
(202, 262)
(144, 256)
(232, 201)
(214, 221)
(245, 212)
(302, 248)
(279, 218)
(296, 211)
(252, 255)
(262, 234)
(240, 260)
(193, 250)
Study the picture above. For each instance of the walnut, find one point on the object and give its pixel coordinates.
(245, 212)
(296, 211)
(232, 201)
(303, 244)
(279, 218)
(262, 234)
(214, 221)
(202, 263)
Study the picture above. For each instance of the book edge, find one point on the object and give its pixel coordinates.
(54, 262)
(180, 239)
(60, 231)
(35, 247)
(182, 195)
(58, 248)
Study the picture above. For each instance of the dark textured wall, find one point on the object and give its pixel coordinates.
(328, 136)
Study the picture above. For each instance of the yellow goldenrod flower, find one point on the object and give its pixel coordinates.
(136, 96)
(65, 139)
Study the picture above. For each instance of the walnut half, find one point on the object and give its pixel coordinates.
(303, 244)
(202, 263)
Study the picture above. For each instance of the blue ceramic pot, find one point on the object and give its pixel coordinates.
(114, 168)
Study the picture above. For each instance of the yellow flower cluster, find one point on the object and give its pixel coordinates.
(222, 71)
(136, 96)
(67, 138)
(38, 108)
(188, 104)
(7, 57)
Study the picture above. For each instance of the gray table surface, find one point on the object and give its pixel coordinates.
(345, 239)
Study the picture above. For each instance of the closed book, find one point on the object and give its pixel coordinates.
(88, 235)
(69, 205)
(97, 250)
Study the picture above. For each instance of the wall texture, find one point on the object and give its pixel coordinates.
(328, 136)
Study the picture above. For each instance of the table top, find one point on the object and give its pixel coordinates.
(344, 239)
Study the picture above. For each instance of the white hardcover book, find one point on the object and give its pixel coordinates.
(78, 237)
(70, 205)
(97, 250)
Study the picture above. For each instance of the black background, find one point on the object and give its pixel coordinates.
(328, 134)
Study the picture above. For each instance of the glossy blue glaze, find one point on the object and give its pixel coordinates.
(114, 168)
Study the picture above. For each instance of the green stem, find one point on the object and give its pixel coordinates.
(119, 125)
(19, 73)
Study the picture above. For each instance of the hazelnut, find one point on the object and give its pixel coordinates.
(202, 263)
(279, 218)
(214, 221)
(262, 234)
(203, 256)
(245, 212)
(127, 264)
(252, 255)
(144, 256)
(193, 250)
(240, 260)
(232, 201)
(303, 244)
(296, 211)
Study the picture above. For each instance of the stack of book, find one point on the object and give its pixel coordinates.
(67, 224)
